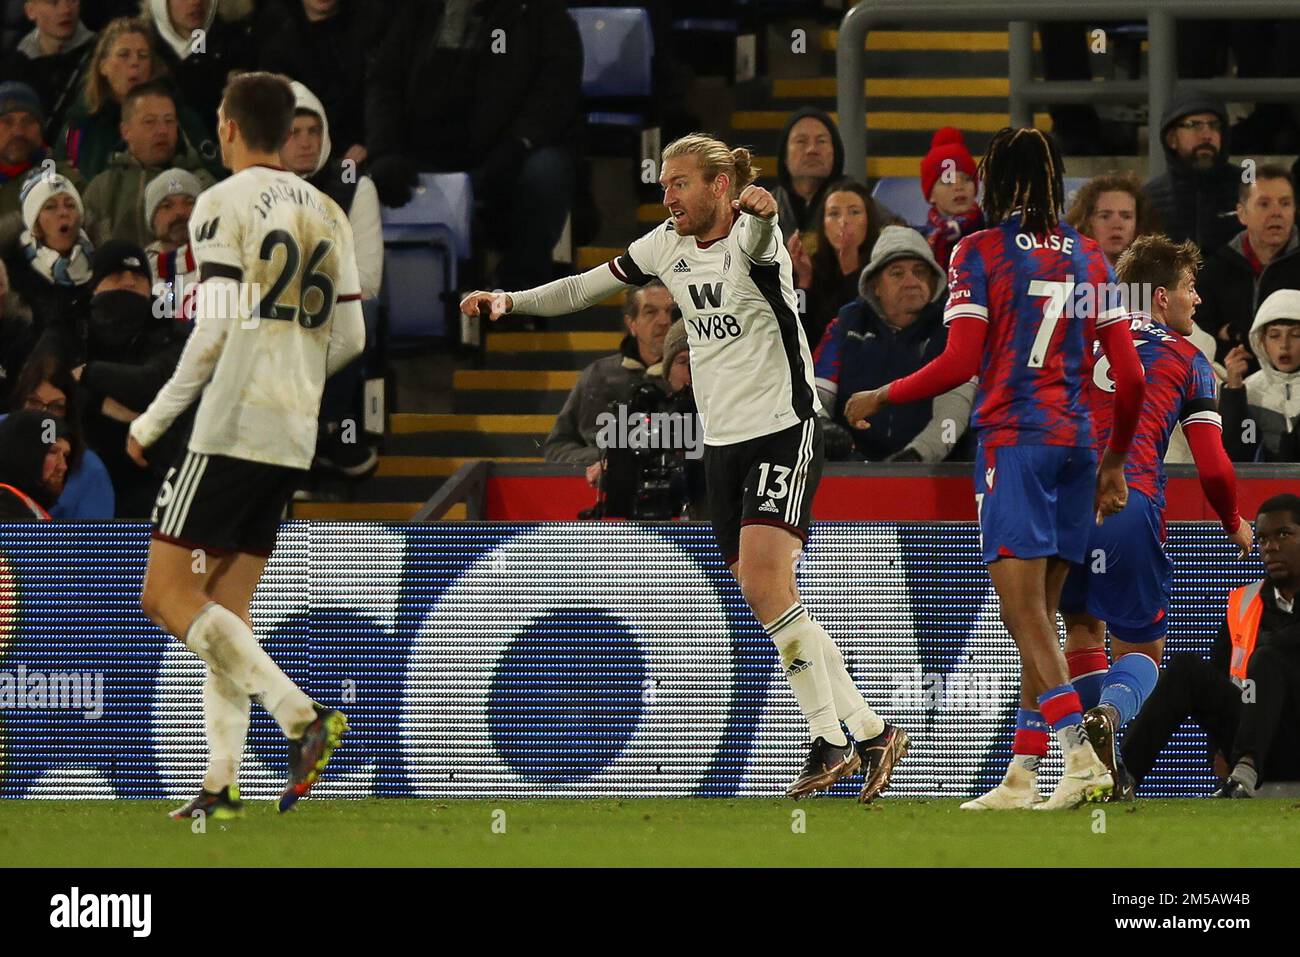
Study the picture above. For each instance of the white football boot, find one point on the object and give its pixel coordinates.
(1085, 780)
(1018, 790)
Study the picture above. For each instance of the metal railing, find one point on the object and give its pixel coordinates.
(1026, 92)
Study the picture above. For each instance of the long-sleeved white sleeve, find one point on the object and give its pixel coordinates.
(367, 237)
(757, 238)
(347, 336)
(570, 294)
(198, 359)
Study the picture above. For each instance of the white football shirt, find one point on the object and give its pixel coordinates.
(751, 368)
(282, 250)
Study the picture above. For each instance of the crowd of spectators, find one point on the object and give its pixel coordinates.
(108, 135)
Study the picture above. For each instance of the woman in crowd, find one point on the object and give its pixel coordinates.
(123, 59)
(47, 251)
(1113, 210)
(828, 275)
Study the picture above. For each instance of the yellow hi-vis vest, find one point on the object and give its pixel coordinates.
(1245, 609)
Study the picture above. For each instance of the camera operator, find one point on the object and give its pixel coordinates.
(648, 311)
(652, 444)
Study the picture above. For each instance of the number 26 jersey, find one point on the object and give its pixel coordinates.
(288, 247)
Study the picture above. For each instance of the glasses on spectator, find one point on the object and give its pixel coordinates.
(1196, 126)
(57, 407)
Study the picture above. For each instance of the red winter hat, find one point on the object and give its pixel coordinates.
(947, 144)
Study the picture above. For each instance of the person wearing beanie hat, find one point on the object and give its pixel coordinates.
(950, 183)
(1270, 397)
(48, 254)
(168, 204)
(676, 362)
(22, 144)
(154, 143)
(1197, 194)
(892, 329)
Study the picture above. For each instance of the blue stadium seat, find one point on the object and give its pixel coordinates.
(617, 51)
(424, 241)
(902, 194)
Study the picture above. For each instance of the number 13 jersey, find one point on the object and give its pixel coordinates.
(289, 248)
(1044, 297)
(751, 369)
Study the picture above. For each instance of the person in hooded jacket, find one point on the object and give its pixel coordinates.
(810, 159)
(47, 250)
(307, 152)
(1261, 412)
(1196, 197)
(201, 69)
(892, 329)
(32, 468)
(46, 384)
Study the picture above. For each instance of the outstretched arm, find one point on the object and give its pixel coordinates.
(561, 297)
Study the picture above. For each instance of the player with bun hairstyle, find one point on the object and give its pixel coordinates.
(721, 255)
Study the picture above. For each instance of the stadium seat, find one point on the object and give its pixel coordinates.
(617, 72)
(424, 242)
(902, 194)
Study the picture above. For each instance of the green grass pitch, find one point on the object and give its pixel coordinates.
(661, 832)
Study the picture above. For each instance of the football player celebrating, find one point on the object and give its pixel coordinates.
(721, 255)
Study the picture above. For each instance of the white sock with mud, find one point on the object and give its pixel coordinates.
(801, 643)
(225, 716)
(850, 707)
(220, 637)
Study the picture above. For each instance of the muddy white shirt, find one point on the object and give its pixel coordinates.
(278, 312)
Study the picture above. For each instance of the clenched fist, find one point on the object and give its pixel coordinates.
(498, 303)
(756, 201)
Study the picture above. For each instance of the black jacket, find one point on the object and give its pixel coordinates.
(462, 109)
(1231, 292)
(22, 464)
(795, 213)
(1199, 205)
(129, 357)
(201, 77)
(329, 58)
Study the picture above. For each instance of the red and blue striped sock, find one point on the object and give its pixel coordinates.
(1030, 744)
(1087, 671)
(1064, 712)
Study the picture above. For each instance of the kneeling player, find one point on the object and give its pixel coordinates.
(1124, 581)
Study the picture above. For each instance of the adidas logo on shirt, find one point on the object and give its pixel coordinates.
(768, 506)
(797, 666)
(681, 266)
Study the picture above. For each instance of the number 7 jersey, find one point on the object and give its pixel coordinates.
(288, 247)
(1044, 298)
